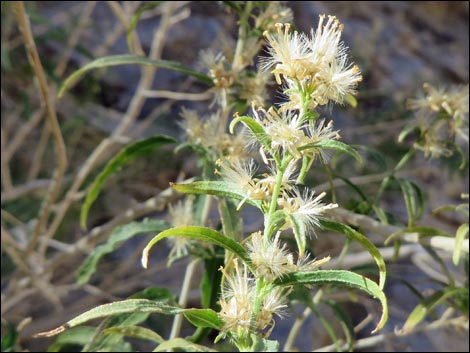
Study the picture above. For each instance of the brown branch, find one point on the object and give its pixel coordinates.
(59, 145)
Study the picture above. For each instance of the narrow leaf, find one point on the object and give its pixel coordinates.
(135, 20)
(351, 100)
(345, 322)
(333, 144)
(413, 200)
(375, 155)
(217, 188)
(123, 157)
(256, 129)
(199, 233)
(232, 222)
(278, 219)
(422, 231)
(78, 336)
(203, 318)
(118, 236)
(361, 239)
(406, 131)
(134, 306)
(298, 226)
(424, 308)
(341, 277)
(135, 332)
(460, 235)
(115, 60)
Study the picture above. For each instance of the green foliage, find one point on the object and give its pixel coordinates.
(116, 60)
(122, 158)
(249, 279)
(118, 236)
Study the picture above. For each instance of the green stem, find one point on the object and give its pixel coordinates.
(281, 167)
(259, 296)
(395, 170)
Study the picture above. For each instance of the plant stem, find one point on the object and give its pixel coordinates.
(273, 204)
(176, 328)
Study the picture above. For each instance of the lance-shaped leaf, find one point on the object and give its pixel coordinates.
(135, 332)
(217, 188)
(202, 317)
(298, 226)
(333, 144)
(136, 18)
(115, 60)
(361, 239)
(123, 157)
(423, 232)
(199, 233)
(428, 304)
(340, 277)
(256, 129)
(460, 235)
(413, 200)
(278, 219)
(118, 236)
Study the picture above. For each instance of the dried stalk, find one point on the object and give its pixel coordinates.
(59, 145)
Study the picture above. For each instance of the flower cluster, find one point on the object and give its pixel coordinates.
(442, 115)
(238, 301)
(313, 70)
(314, 65)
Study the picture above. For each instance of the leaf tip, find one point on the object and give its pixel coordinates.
(53, 332)
(145, 258)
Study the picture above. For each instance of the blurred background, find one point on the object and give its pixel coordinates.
(398, 47)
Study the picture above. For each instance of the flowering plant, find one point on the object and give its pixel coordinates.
(256, 157)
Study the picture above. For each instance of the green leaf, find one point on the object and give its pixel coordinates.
(9, 335)
(341, 277)
(345, 322)
(306, 164)
(123, 157)
(128, 306)
(361, 239)
(298, 226)
(181, 344)
(217, 188)
(210, 282)
(256, 129)
(413, 199)
(199, 233)
(351, 100)
(333, 144)
(135, 332)
(422, 231)
(460, 235)
(375, 155)
(406, 131)
(115, 60)
(263, 345)
(118, 236)
(232, 222)
(427, 305)
(203, 318)
(112, 342)
(326, 323)
(78, 336)
(278, 219)
(135, 20)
